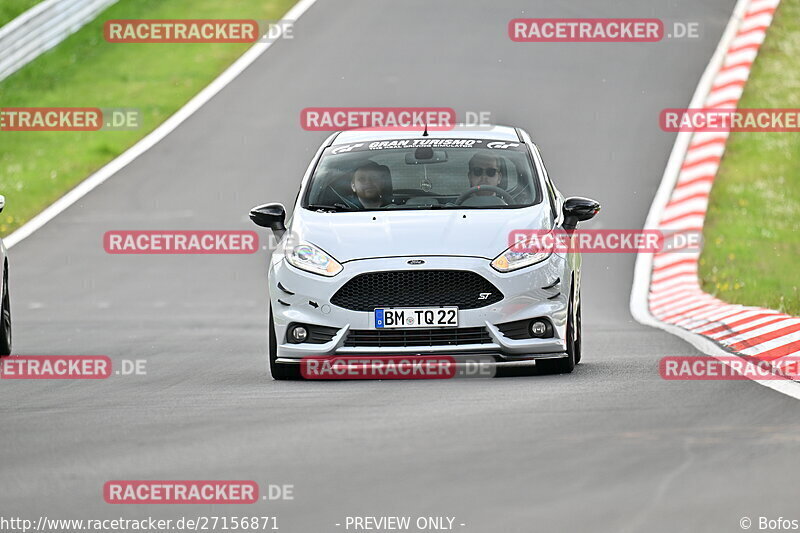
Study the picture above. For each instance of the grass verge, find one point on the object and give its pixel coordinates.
(36, 168)
(752, 230)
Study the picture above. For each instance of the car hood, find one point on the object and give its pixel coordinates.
(463, 232)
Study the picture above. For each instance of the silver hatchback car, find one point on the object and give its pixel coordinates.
(399, 245)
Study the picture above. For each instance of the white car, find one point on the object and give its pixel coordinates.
(5, 301)
(398, 244)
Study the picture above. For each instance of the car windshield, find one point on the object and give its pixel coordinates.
(423, 174)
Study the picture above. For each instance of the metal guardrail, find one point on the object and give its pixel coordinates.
(41, 28)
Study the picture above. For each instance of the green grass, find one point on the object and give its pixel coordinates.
(36, 168)
(11, 9)
(752, 232)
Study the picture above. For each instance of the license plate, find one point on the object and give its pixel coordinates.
(416, 317)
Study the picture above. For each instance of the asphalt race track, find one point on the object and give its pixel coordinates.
(611, 447)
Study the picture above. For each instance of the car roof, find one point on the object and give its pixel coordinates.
(495, 132)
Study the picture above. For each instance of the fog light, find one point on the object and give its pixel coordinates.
(538, 328)
(298, 334)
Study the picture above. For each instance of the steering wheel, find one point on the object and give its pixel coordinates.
(472, 191)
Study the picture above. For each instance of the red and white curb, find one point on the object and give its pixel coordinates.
(666, 291)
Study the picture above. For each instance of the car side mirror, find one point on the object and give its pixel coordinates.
(577, 209)
(271, 216)
(2, 203)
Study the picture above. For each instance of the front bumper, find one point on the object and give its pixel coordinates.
(301, 297)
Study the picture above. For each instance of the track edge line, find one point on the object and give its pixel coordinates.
(152, 138)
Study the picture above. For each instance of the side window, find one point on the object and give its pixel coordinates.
(551, 193)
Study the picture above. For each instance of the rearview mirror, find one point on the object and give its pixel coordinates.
(270, 216)
(424, 155)
(577, 209)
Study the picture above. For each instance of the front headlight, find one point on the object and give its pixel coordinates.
(511, 260)
(308, 257)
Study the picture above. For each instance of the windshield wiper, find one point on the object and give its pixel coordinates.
(329, 208)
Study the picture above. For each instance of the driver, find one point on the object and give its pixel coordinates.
(368, 184)
(484, 169)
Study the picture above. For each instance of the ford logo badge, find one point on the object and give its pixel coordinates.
(416, 262)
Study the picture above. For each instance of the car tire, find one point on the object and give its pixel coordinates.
(578, 333)
(5, 317)
(565, 365)
(279, 371)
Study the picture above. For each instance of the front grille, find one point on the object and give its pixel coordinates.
(417, 288)
(378, 338)
(515, 330)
